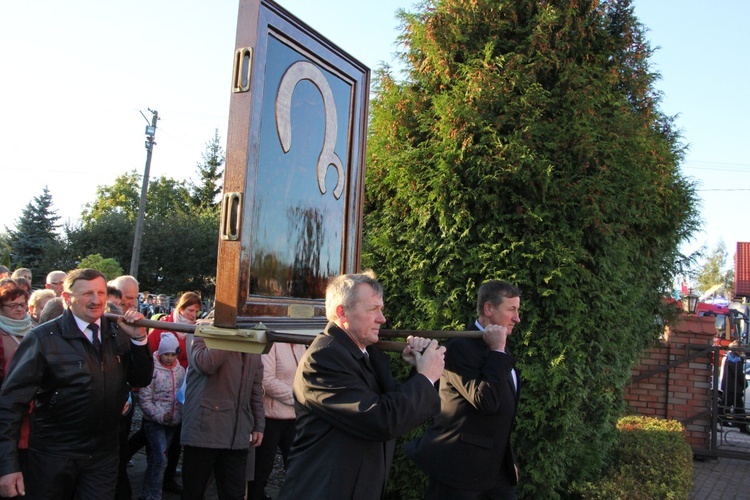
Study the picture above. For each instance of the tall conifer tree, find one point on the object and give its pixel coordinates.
(526, 144)
(35, 232)
(204, 194)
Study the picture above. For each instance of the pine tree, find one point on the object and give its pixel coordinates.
(526, 144)
(204, 194)
(34, 234)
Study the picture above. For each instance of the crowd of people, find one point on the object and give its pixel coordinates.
(71, 378)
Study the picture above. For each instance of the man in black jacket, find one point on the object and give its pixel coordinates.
(350, 410)
(467, 451)
(76, 370)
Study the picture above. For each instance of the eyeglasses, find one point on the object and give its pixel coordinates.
(56, 283)
(15, 306)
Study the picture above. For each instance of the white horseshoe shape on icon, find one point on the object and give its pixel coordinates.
(297, 72)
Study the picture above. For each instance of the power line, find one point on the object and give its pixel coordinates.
(717, 166)
(724, 190)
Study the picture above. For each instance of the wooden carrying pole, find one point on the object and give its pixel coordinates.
(243, 339)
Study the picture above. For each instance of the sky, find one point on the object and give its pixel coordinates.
(79, 77)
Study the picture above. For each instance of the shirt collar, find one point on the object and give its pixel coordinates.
(83, 325)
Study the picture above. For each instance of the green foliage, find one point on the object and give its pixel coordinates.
(651, 460)
(203, 195)
(5, 249)
(714, 270)
(122, 197)
(180, 228)
(179, 253)
(108, 267)
(527, 145)
(35, 235)
(164, 197)
(110, 234)
(178, 250)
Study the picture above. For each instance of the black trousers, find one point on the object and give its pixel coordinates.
(229, 468)
(278, 434)
(57, 477)
(124, 490)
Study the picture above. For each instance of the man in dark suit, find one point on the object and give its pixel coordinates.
(349, 408)
(467, 452)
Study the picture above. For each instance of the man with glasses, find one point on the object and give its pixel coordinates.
(76, 370)
(55, 282)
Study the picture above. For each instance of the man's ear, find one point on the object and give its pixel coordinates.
(487, 309)
(340, 313)
(66, 297)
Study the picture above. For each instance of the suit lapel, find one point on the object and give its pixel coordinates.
(367, 367)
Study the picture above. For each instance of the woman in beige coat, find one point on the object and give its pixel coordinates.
(279, 367)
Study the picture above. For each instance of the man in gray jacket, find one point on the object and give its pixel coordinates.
(222, 418)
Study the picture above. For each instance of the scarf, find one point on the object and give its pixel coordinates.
(179, 318)
(17, 327)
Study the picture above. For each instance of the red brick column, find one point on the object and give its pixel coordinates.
(681, 392)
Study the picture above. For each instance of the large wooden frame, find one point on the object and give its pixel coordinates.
(294, 176)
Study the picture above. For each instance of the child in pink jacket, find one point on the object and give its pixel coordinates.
(162, 413)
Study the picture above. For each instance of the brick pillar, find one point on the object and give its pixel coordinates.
(690, 386)
(681, 392)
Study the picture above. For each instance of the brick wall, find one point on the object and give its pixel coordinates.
(673, 377)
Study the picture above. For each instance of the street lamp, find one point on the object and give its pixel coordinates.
(690, 302)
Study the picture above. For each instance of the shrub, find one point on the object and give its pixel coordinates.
(651, 460)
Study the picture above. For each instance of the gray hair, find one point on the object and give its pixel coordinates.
(342, 291)
(38, 295)
(55, 274)
(121, 280)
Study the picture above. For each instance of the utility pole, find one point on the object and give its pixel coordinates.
(150, 134)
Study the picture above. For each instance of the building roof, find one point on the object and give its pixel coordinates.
(742, 270)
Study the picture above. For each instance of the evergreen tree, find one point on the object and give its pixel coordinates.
(526, 144)
(204, 195)
(35, 232)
